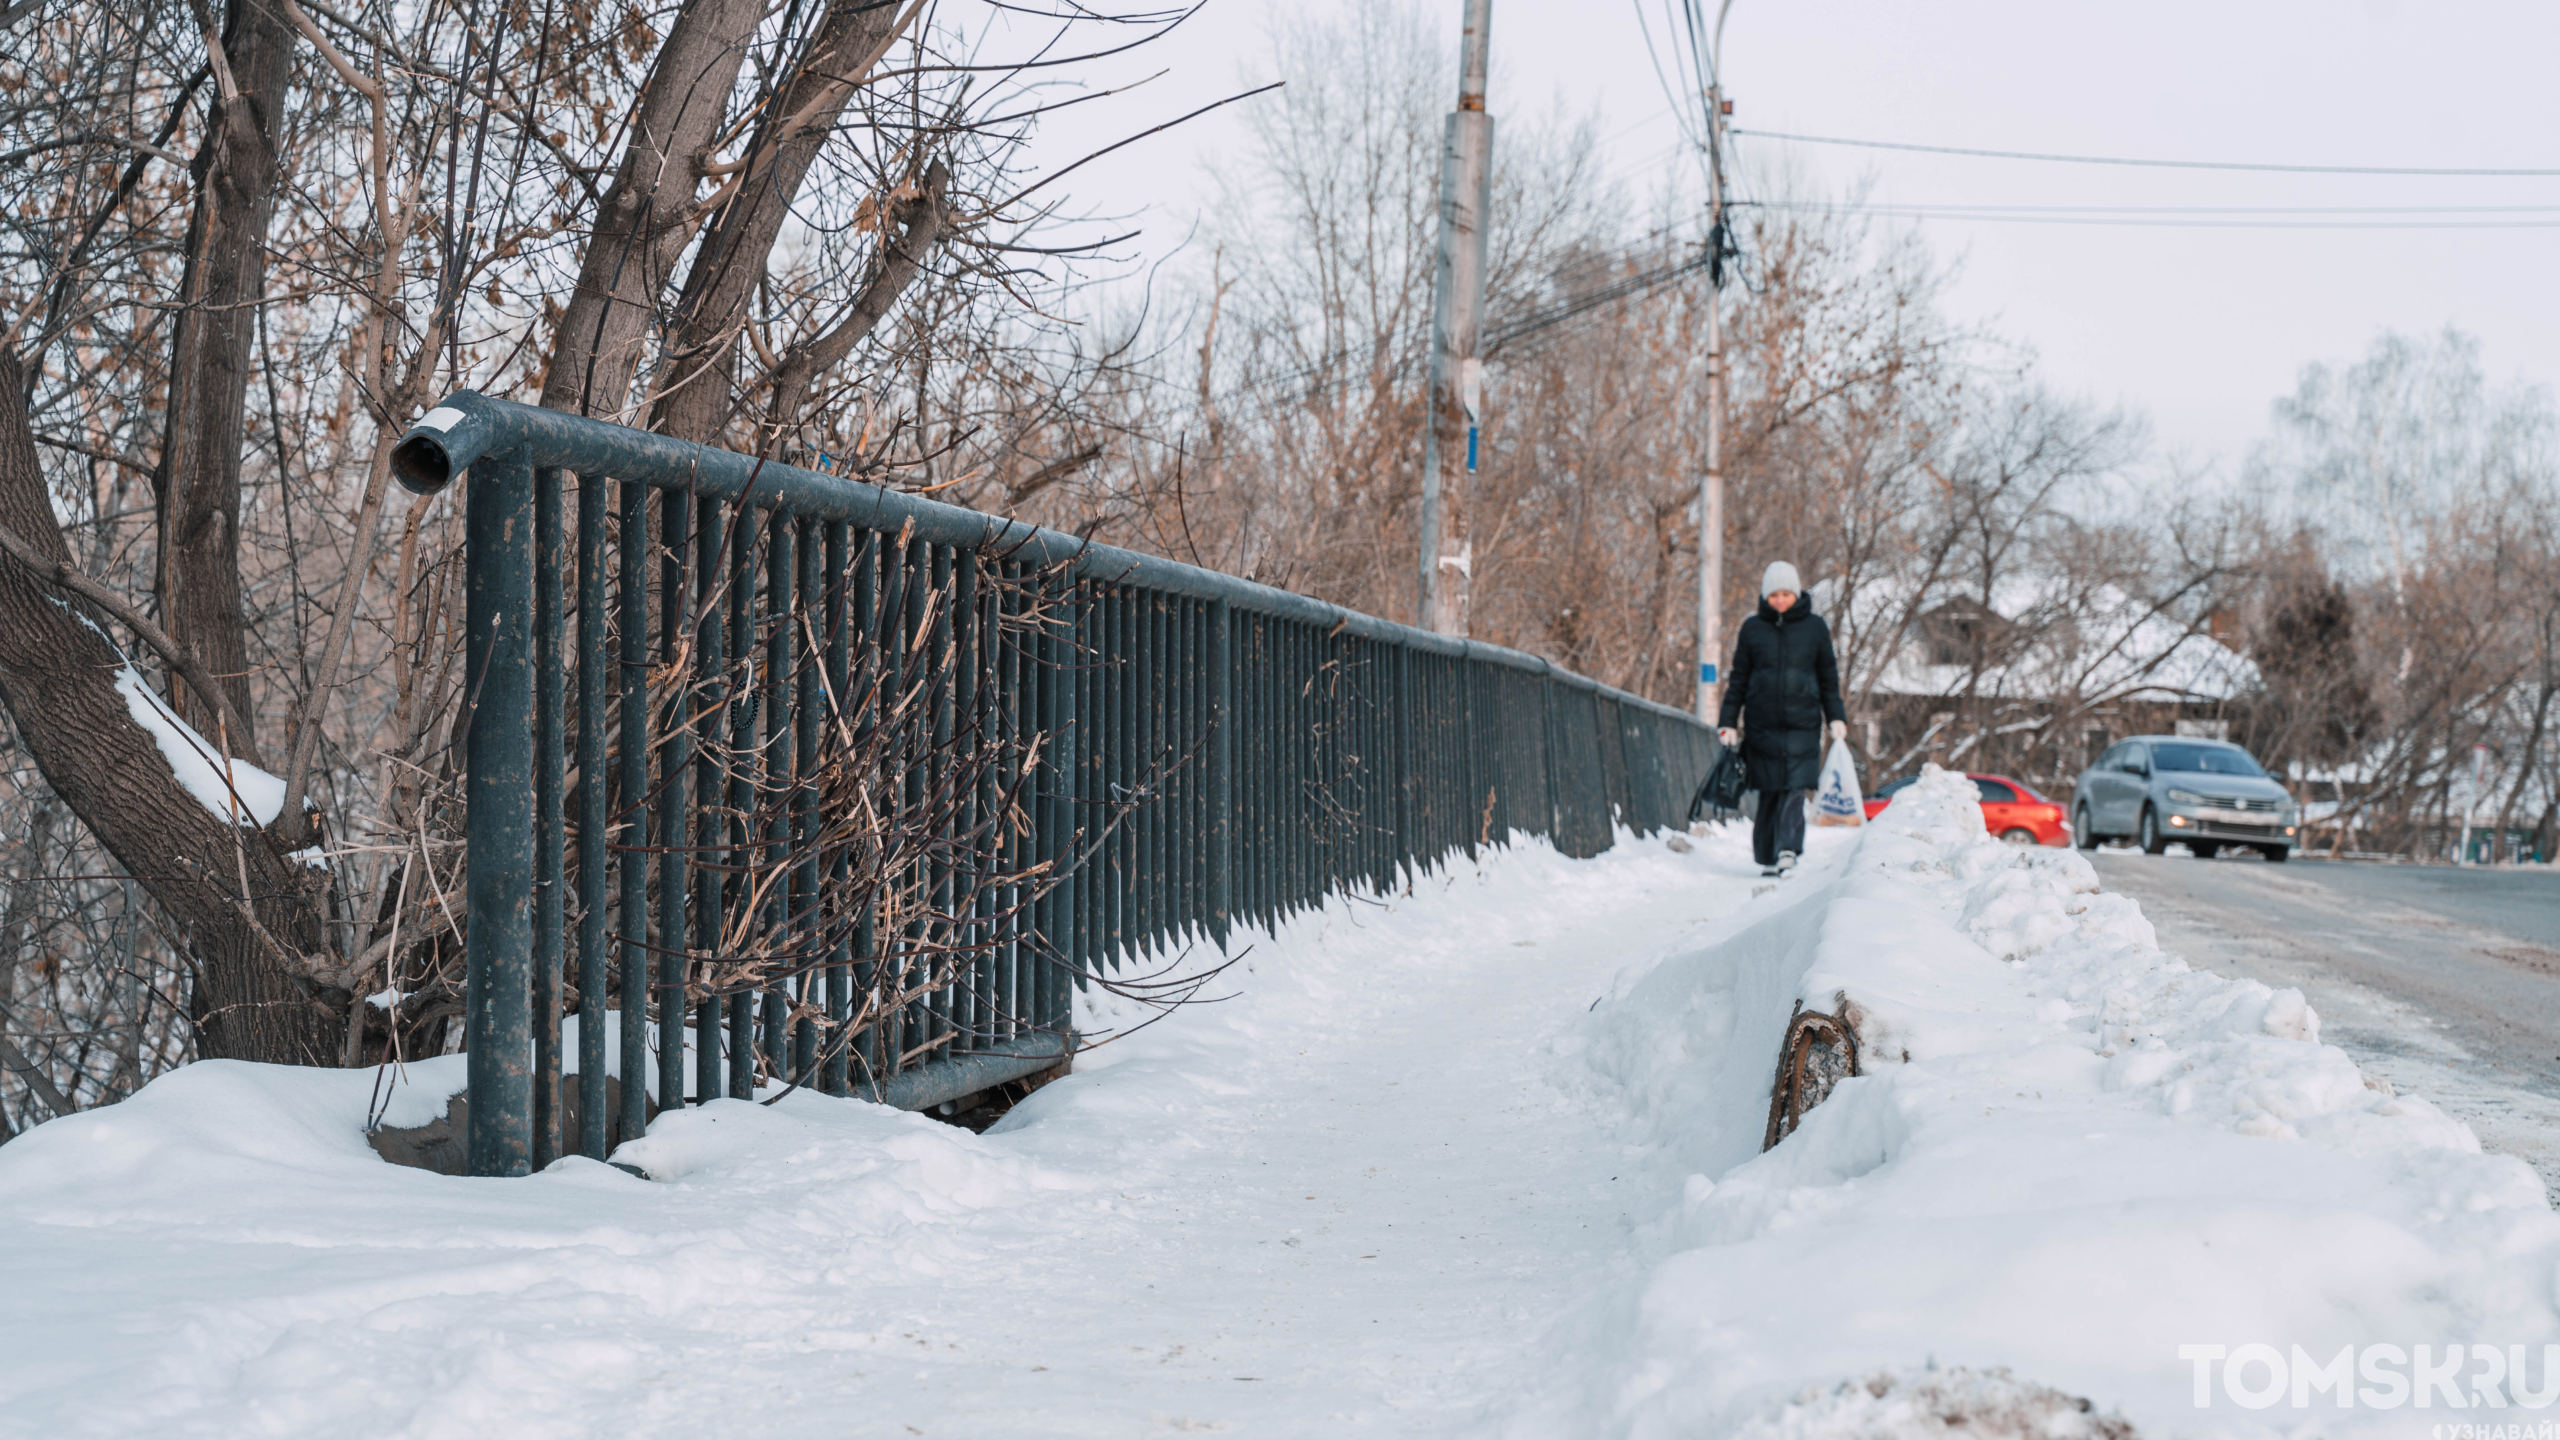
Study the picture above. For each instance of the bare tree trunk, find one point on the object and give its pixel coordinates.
(249, 916)
(698, 394)
(198, 479)
(648, 213)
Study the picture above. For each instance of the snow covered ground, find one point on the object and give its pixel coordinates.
(2072, 1157)
(1477, 1161)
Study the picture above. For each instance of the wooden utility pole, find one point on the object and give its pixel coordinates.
(1457, 323)
(1711, 484)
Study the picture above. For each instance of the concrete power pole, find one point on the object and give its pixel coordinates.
(1711, 484)
(1457, 325)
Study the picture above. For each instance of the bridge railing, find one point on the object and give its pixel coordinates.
(790, 778)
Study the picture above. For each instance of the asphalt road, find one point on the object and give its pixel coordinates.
(2444, 981)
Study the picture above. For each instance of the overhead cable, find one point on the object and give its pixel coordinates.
(2121, 160)
(1889, 212)
(2024, 208)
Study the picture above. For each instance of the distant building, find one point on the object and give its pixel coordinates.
(2034, 683)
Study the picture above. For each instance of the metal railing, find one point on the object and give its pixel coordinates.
(853, 786)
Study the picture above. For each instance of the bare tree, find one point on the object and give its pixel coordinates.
(246, 242)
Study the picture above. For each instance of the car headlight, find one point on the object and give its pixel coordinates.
(2185, 797)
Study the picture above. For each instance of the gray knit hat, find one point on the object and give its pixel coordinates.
(1780, 576)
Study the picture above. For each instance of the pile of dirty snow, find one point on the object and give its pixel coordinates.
(2069, 1155)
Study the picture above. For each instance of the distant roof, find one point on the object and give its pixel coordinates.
(2101, 642)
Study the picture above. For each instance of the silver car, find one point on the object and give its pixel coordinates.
(2153, 789)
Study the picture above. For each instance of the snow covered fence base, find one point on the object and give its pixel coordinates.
(2073, 1168)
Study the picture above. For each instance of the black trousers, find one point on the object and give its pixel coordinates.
(1777, 825)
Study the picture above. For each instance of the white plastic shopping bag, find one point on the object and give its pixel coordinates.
(1838, 801)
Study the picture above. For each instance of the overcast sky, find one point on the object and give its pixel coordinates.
(2198, 328)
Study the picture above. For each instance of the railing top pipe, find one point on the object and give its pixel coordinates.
(468, 425)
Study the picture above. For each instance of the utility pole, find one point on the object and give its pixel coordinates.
(1711, 484)
(1457, 324)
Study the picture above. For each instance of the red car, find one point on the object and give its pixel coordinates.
(2009, 810)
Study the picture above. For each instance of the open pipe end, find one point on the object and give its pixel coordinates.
(421, 464)
(443, 444)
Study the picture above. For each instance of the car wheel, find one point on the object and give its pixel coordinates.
(2018, 835)
(2276, 854)
(2202, 851)
(2153, 842)
(2081, 835)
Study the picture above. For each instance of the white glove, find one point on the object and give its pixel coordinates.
(1839, 729)
(1730, 737)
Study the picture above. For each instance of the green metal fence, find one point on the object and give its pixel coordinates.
(821, 784)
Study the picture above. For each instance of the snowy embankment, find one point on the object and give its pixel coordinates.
(1481, 1159)
(2069, 1155)
(1349, 1200)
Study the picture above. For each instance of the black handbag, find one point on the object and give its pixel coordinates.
(1719, 798)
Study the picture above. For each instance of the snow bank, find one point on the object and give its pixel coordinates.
(221, 1255)
(2069, 1156)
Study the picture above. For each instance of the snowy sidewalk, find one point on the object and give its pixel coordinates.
(1350, 1200)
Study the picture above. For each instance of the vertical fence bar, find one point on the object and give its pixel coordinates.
(933, 1010)
(738, 837)
(809, 629)
(498, 888)
(548, 773)
(675, 798)
(1155, 872)
(593, 989)
(866, 621)
(1286, 736)
(1070, 776)
(836, 1074)
(1154, 669)
(1222, 797)
(779, 797)
(1191, 834)
(1044, 934)
(905, 610)
(960, 897)
(1264, 734)
(711, 630)
(1009, 714)
(986, 849)
(1300, 757)
(1123, 738)
(631, 681)
(1081, 695)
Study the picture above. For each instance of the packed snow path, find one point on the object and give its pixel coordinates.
(1351, 1199)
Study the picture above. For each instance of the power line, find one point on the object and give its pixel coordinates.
(1889, 212)
(2120, 160)
(1631, 287)
(1333, 371)
(2025, 208)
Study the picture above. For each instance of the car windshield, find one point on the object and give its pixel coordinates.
(2205, 760)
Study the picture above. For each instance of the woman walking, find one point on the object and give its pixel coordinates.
(1784, 685)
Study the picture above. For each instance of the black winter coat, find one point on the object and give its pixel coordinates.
(1784, 684)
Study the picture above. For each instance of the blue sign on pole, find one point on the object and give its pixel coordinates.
(1706, 672)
